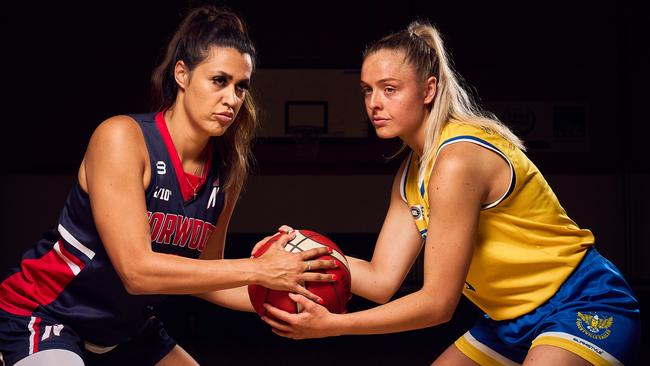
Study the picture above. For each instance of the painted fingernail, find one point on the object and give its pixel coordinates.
(320, 301)
(334, 277)
(330, 250)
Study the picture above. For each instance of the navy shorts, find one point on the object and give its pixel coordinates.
(21, 336)
(593, 314)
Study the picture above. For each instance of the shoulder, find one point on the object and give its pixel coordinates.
(458, 158)
(462, 165)
(119, 130)
(118, 138)
(121, 125)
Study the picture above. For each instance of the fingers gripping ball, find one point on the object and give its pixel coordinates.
(334, 294)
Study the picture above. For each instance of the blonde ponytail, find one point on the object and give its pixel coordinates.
(424, 49)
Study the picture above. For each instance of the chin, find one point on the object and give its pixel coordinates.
(384, 133)
(218, 130)
(218, 133)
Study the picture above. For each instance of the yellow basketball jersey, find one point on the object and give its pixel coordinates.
(526, 244)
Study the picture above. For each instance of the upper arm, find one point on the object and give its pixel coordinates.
(460, 182)
(114, 170)
(399, 241)
(217, 242)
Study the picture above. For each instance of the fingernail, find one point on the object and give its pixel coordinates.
(334, 277)
(320, 301)
(330, 250)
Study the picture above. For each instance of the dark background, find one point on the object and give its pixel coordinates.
(68, 66)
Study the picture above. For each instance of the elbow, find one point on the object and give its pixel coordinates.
(441, 307)
(445, 315)
(445, 309)
(384, 294)
(134, 282)
(380, 298)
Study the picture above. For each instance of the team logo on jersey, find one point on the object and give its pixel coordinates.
(161, 168)
(213, 196)
(594, 325)
(416, 212)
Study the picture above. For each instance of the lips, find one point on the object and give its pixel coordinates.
(379, 121)
(225, 117)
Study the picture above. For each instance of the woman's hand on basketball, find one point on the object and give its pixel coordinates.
(281, 270)
(315, 321)
(282, 229)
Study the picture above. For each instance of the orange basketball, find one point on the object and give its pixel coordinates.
(334, 294)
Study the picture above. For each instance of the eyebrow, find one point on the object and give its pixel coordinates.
(230, 77)
(385, 80)
(382, 81)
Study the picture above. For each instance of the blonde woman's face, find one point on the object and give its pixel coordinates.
(216, 88)
(394, 96)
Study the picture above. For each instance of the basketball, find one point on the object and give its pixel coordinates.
(334, 294)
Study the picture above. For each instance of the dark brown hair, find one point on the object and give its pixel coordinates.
(201, 28)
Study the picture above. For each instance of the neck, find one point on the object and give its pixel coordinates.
(190, 145)
(417, 138)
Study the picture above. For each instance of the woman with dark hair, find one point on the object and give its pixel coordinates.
(490, 225)
(154, 194)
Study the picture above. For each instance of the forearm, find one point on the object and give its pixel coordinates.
(234, 298)
(414, 311)
(169, 274)
(368, 281)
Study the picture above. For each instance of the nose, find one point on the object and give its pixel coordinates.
(230, 96)
(372, 101)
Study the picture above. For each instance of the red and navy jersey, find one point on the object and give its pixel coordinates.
(68, 274)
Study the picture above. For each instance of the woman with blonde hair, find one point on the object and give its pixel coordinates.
(491, 228)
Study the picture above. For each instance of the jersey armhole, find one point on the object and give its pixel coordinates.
(405, 173)
(139, 120)
(489, 146)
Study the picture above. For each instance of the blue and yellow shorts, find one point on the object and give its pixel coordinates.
(593, 314)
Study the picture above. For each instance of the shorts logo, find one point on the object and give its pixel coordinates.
(594, 325)
(52, 331)
(416, 212)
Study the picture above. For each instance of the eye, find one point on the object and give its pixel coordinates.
(366, 90)
(389, 90)
(220, 80)
(242, 88)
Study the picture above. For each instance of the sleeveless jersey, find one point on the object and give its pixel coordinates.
(526, 244)
(68, 274)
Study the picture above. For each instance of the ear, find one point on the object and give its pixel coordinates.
(430, 89)
(181, 74)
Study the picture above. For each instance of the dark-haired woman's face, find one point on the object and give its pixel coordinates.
(216, 88)
(393, 95)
